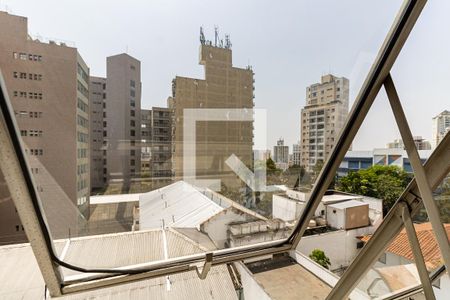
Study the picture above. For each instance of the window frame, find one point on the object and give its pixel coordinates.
(32, 216)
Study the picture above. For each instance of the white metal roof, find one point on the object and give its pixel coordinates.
(176, 205)
(329, 199)
(20, 277)
(104, 199)
(347, 204)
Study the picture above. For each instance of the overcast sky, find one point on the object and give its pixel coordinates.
(289, 45)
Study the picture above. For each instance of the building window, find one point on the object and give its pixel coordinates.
(132, 133)
(132, 113)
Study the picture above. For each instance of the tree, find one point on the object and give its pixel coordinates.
(383, 182)
(319, 257)
(270, 165)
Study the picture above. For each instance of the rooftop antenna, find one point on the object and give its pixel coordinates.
(227, 41)
(202, 36)
(216, 35)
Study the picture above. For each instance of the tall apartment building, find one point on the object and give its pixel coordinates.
(421, 144)
(116, 122)
(224, 87)
(97, 96)
(296, 154)
(123, 117)
(156, 133)
(322, 118)
(281, 152)
(48, 84)
(441, 125)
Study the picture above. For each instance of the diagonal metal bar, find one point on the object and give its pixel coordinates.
(436, 168)
(386, 57)
(417, 252)
(419, 173)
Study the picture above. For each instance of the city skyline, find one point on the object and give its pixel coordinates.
(280, 50)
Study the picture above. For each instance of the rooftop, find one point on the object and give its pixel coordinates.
(428, 244)
(111, 251)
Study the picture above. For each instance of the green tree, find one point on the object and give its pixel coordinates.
(319, 257)
(383, 182)
(270, 165)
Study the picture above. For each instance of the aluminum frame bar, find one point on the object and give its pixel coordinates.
(399, 32)
(18, 182)
(417, 252)
(436, 168)
(419, 173)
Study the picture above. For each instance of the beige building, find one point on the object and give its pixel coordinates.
(322, 118)
(122, 118)
(97, 96)
(48, 84)
(441, 125)
(421, 144)
(223, 87)
(156, 152)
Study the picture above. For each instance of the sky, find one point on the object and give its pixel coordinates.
(289, 46)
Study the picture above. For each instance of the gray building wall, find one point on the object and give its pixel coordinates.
(123, 113)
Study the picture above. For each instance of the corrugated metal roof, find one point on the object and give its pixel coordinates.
(20, 277)
(178, 205)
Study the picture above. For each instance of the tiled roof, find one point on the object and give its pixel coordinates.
(428, 244)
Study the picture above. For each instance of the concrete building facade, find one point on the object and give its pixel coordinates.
(441, 125)
(322, 118)
(296, 154)
(281, 152)
(122, 118)
(48, 85)
(223, 87)
(97, 96)
(421, 144)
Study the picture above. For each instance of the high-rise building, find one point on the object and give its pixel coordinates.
(281, 152)
(322, 118)
(48, 85)
(97, 96)
(441, 125)
(223, 87)
(296, 154)
(156, 133)
(123, 118)
(421, 144)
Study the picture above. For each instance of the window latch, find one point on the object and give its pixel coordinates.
(206, 266)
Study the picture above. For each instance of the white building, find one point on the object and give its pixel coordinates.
(338, 221)
(441, 125)
(421, 144)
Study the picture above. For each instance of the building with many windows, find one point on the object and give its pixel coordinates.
(421, 144)
(97, 96)
(441, 125)
(48, 85)
(296, 154)
(322, 118)
(225, 88)
(156, 152)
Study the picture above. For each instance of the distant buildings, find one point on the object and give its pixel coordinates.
(48, 85)
(322, 118)
(421, 144)
(357, 160)
(224, 87)
(116, 122)
(296, 154)
(281, 154)
(441, 125)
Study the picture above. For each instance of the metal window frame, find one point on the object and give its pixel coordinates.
(14, 165)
